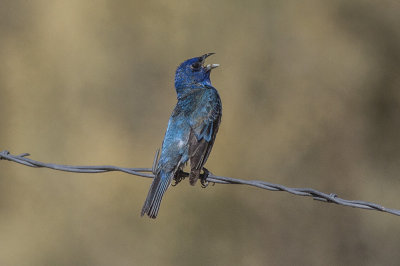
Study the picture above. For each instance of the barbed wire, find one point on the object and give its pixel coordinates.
(148, 172)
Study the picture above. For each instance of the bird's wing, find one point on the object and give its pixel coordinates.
(204, 127)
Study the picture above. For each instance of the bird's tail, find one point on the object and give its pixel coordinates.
(158, 187)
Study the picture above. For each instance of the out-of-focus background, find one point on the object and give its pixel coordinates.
(311, 98)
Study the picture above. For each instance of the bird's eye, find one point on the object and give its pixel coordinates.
(196, 66)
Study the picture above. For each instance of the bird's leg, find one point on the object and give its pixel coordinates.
(178, 177)
(203, 178)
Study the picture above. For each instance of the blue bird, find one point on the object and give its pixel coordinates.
(191, 130)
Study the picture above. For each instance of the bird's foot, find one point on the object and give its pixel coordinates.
(203, 178)
(179, 176)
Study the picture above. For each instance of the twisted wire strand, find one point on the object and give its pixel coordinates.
(148, 172)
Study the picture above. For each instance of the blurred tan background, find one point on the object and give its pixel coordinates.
(311, 98)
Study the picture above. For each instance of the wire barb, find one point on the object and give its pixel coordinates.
(149, 173)
(155, 162)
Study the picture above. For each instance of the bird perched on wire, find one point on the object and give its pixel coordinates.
(191, 131)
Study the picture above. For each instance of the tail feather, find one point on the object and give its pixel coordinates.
(156, 192)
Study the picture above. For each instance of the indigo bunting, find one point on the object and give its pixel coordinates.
(191, 130)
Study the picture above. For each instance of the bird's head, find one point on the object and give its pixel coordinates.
(193, 73)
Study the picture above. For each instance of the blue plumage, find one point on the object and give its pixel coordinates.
(191, 130)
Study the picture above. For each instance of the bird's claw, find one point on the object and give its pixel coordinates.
(179, 176)
(203, 178)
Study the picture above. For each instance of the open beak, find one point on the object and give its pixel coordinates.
(209, 66)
